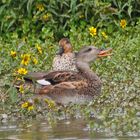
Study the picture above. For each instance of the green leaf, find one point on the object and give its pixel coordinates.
(130, 10)
(10, 24)
(110, 29)
(29, 7)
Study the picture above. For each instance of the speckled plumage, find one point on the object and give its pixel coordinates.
(66, 59)
(64, 62)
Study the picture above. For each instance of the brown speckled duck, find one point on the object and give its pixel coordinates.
(70, 86)
(65, 59)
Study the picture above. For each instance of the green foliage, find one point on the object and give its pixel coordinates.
(26, 24)
(28, 15)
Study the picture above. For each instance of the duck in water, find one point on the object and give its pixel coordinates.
(71, 86)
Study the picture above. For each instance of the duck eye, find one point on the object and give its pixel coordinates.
(67, 41)
(88, 50)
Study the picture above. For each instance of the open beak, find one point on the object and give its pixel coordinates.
(106, 52)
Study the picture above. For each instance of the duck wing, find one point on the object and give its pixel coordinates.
(56, 77)
(53, 77)
(35, 75)
(63, 81)
(65, 87)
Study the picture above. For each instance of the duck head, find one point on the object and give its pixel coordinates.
(64, 46)
(91, 53)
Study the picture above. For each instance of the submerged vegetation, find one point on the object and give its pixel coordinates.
(30, 31)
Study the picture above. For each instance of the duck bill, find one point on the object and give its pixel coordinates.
(104, 53)
(60, 51)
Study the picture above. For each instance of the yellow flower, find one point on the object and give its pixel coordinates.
(34, 17)
(13, 54)
(22, 71)
(25, 59)
(104, 35)
(35, 61)
(8, 17)
(39, 48)
(123, 23)
(30, 108)
(93, 31)
(21, 89)
(81, 16)
(19, 79)
(25, 105)
(45, 17)
(24, 39)
(51, 104)
(40, 7)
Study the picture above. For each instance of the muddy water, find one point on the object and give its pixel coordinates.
(41, 130)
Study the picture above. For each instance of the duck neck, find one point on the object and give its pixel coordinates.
(85, 70)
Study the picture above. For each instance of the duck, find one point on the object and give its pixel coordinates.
(65, 58)
(69, 86)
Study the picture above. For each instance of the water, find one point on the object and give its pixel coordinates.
(75, 129)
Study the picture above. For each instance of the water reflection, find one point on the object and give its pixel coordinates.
(41, 130)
